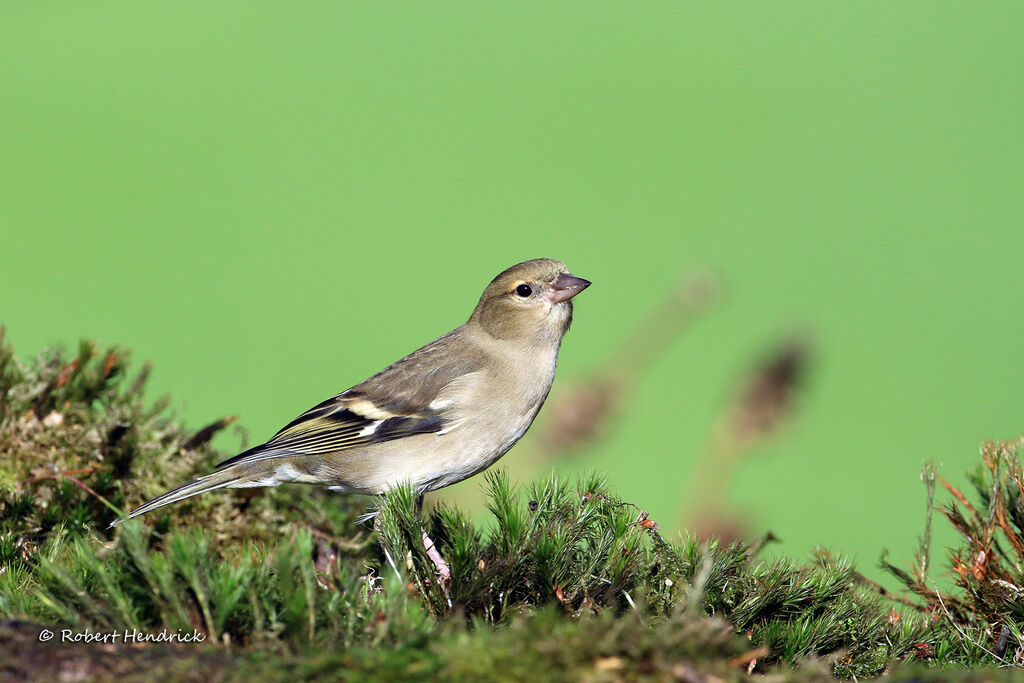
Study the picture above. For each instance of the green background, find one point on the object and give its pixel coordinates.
(271, 201)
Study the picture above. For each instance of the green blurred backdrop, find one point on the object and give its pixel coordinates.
(273, 200)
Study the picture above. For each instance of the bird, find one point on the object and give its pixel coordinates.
(441, 414)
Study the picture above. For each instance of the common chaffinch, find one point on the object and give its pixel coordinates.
(440, 415)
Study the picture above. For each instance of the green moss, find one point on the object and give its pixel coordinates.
(566, 582)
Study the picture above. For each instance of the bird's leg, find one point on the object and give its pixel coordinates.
(443, 570)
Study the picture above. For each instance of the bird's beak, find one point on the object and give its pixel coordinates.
(566, 286)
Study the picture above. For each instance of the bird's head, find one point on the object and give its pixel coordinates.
(529, 302)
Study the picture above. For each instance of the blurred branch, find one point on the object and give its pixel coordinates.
(762, 405)
(579, 414)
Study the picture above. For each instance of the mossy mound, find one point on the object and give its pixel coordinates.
(566, 582)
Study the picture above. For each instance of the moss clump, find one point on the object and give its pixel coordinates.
(986, 608)
(79, 445)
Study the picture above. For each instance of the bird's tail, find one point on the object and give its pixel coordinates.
(216, 480)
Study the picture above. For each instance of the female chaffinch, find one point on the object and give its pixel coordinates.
(440, 415)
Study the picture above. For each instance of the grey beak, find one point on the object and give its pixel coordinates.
(566, 286)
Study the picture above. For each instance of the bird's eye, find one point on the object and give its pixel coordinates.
(524, 290)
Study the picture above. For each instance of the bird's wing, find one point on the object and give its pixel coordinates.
(398, 402)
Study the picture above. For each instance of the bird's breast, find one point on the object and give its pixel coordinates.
(502, 408)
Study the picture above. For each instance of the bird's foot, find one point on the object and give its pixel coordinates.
(443, 570)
